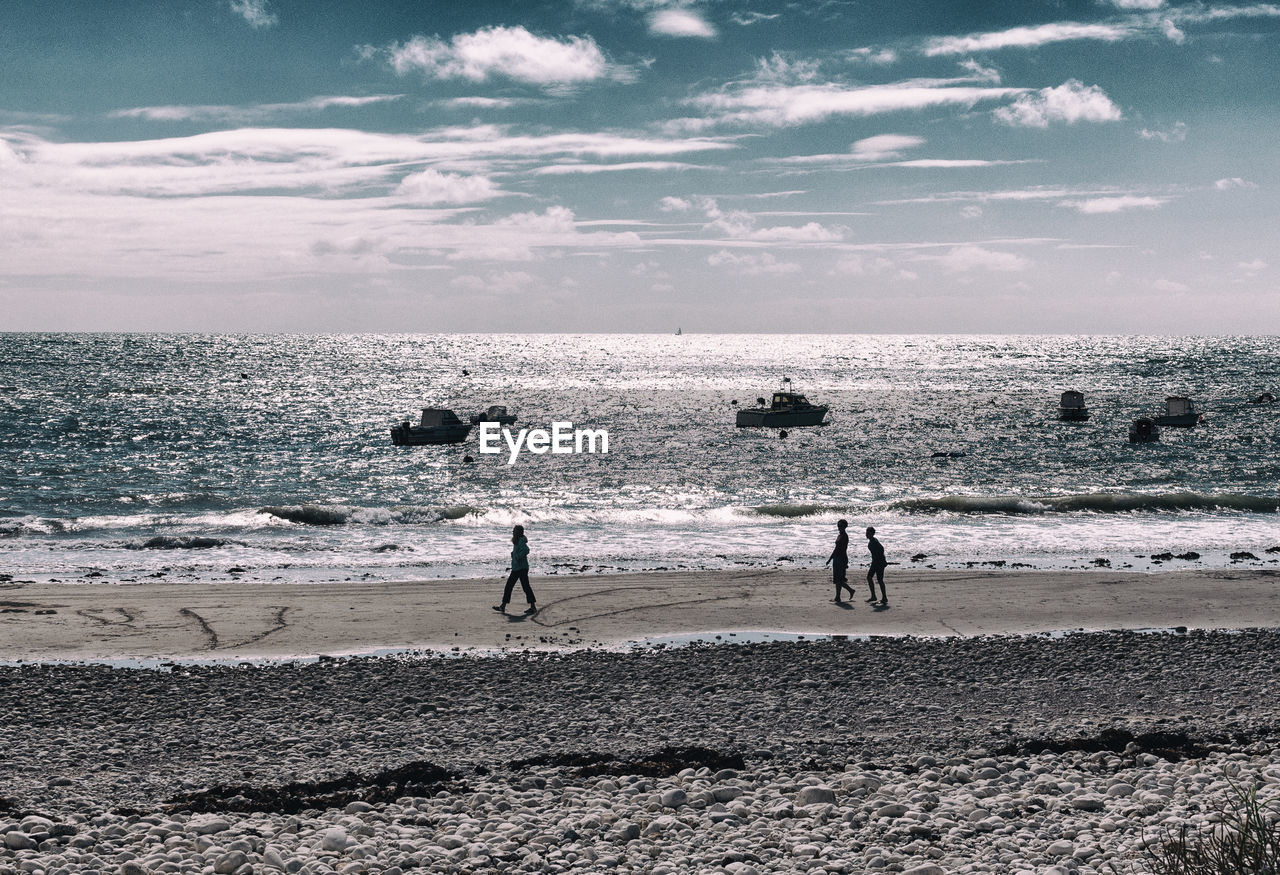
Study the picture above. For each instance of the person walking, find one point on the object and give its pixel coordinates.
(519, 571)
(878, 565)
(839, 562)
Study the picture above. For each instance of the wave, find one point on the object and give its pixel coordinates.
(183, 542)
(1091, 502)
(792, 511)
(341, 514)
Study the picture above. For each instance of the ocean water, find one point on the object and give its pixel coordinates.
(268, 457)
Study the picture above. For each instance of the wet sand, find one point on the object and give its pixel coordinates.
(46, 622)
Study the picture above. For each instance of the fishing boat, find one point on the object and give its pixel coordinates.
(496, 413)
(1144, 430)
(789, 409)
(438, 425)
(1071, 407)
(1179, 412)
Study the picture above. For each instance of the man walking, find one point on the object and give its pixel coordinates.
(519, 571)
(878, 565)
(839, 561)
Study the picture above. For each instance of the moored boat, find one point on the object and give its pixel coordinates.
(438, 425)
(789, 409)
(496, 413)
(1071, 407)
(1179, 412)
(1144, 430)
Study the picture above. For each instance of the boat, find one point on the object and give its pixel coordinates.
(438, 425)
(496, 413)
(1179, 412)
(789, 409)
(1264, 398)
(1071, 407)
(678, 331)
(1144, 430)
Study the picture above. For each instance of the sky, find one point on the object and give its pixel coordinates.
(1079, 166)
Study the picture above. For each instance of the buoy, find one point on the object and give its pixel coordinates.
(782, 433)
(467, 460)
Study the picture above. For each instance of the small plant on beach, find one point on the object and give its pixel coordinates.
(1245, 840)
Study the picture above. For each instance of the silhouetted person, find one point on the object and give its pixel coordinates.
(519, 571)
(878, 564)
(839, 561)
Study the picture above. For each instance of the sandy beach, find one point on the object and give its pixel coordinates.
(241, 621)
(942, 742)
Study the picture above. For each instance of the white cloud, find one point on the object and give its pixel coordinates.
(434, 187)
(962, 259)
(1233, 182)
(680, 23)
(1163, 285)
(783, 105)
(510, 52)
(1136, 4)
(1101, 205)
(879, 57)
(1252, 266)
(972, 211)
(752, 264)
(1070, 102)
(256, 12)
(1172, 32)
(1026, 37)
(254, 113)
(674, 205)
(566, 169)
(1175, 134)
(884, 147)
(748, 18)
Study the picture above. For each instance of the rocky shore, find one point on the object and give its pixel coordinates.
(1008, 754)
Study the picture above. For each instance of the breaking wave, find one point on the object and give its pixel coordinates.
(1091, 502)
(183, 542)
(341, 514)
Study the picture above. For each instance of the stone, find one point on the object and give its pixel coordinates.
(816, 795)
(334, 839)
(673, 798)
(16, 840)
(229, 862)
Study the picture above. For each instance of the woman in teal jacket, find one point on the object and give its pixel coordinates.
(519, 571)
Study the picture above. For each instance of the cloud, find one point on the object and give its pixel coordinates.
(256, 12)
(680, 23)
(878, 57)
(1070, 102)
(254, 113)
(508, 52)
(674, 205)
(1163, 285)
(781, 105)
(433, 187)
(1175, 134)
(750, 264)
(1102, 205)
(884, 147)
(963, 259)
(566, 169)
(972, 211)
(1136, 4)
(749, 18)
(1172, 32)
(1252, 266)
(1233, 182)
(1026, 37)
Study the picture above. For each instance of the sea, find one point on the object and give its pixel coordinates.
(267, 457)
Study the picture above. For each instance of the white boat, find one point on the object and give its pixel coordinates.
(789, 409)
(1144, 430)
(1179, 412)
(438, 425)
(1071, 407)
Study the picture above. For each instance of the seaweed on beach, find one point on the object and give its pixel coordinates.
(417, 778)
(1171, 746)
(664, 763)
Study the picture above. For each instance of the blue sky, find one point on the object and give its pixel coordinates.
(637, 165)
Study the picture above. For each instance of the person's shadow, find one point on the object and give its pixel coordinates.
(844, 606)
